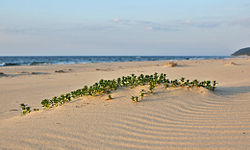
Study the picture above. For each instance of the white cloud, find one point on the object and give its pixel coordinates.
(149, 28)
(116, 20)
(187, 21)
(147, 25)
(242, 21)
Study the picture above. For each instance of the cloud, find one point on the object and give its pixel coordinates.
(54, 29)
(22, 30)
(147, 25)
(149, 28)
(187, 21)
(202, 23)
(241, 22)
(216, 23)
(118, 24)
(116, 20)
(178, 25)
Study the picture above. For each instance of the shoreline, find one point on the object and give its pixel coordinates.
(92, 63)
(95, 59)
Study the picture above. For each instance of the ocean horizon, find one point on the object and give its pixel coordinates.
(46, 60)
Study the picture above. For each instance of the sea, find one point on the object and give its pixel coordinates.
(45, 60)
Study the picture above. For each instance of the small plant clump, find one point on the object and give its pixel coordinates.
(190, 84)
(109, 97)
(25, 108)
(107, 86)
(142, 93)
(135, 99)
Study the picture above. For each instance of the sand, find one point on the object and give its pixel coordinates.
(170, 119)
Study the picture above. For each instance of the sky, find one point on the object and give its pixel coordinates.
(123, 27)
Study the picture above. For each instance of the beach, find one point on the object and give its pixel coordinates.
(170, 119)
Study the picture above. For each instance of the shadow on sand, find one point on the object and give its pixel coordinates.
(230, 91)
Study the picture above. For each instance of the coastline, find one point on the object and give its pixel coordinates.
(232, 93)
(47, 60)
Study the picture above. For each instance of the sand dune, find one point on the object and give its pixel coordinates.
(170, 119)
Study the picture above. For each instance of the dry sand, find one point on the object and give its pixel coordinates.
(170, 119)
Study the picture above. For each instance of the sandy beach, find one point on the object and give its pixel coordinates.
(170, 119)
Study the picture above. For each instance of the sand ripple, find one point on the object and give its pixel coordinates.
(175, 119)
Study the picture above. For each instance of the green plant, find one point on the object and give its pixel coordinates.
(137, 99)
(25, 108)
(107, 86)
(109, 97)
(151, 87)
(214, 85)
(54, 101)
(133, 98)
(45, 103)
(68, 97)
(182, 81)
(166, 85)
(142, 93)
(35, 109)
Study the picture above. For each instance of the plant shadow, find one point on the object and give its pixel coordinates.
(230, 91)
(150, 99)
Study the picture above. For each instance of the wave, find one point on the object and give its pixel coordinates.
(44, 60)
(37, 63)
(10, 64)
(23, 64)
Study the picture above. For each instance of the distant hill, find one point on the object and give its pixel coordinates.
(243, 51)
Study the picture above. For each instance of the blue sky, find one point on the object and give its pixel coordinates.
(123, 27)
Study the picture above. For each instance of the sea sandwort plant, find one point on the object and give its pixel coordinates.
(142, 93)
(135, 99)
(25, 108)
(109, 97)
(107, 86)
